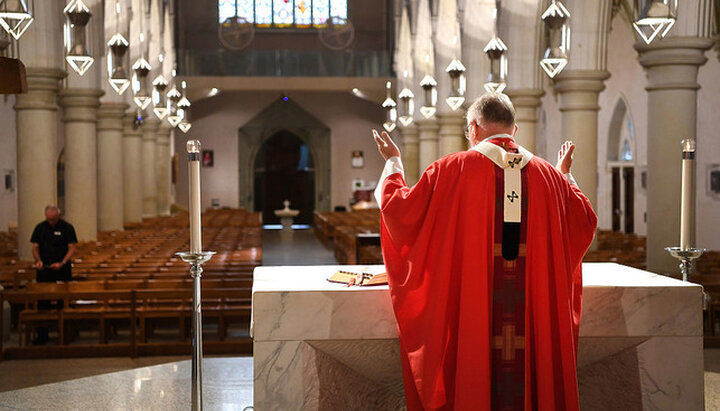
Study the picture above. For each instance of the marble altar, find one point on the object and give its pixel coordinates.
(640, 342)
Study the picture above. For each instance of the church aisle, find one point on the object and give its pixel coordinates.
(227, 384)
(299, 247)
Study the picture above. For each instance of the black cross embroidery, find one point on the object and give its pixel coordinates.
(512, 163)
(512, 196)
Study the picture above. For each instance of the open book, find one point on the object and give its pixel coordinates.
(362, 277)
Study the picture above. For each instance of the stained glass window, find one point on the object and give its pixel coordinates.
(284, 13)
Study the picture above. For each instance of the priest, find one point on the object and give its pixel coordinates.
(483, 259)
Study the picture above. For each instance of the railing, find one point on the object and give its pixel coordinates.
(285, 63)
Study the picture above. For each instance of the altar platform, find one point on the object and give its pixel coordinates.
(319, 345)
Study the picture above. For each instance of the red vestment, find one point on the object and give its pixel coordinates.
(438, 241)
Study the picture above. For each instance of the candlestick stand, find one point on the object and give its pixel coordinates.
(196, 261)
(687, 259)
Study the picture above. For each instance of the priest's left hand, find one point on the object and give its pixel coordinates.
(386, 146)
(565, 157)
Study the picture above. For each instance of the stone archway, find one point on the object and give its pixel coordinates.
(284, 115)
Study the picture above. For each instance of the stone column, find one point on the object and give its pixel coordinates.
(526, 102)
(80, 117)
(428, 136)
(410, 154)
(452, 133)
(579, 91)
(672, 67)
(149, 180)
(132, 171)
(162, 159)
(36, 117)
(110, 166)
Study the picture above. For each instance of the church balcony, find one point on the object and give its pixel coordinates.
(285, 70)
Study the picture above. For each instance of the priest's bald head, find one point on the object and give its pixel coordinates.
(489, 115)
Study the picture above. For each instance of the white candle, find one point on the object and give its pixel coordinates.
(193, 149)
(686, 202)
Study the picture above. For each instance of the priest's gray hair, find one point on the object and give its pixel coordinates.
(492, 108)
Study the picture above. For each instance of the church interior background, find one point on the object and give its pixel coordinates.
(283, 95)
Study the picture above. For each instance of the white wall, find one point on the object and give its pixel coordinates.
(8, 161)
(216, 120)
(628, 81)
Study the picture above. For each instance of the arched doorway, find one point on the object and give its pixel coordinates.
(621, 163)
(284, 170)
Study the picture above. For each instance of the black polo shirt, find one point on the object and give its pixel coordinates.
(53, 241)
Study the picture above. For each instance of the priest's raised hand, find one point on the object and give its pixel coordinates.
(565, 157)
(386, 146)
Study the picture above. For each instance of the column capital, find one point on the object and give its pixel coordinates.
(673, 62)
(452, 117)
(430, 125)
(579, 89)
(110, 116)
(43, 85)
(526, 97)
(149, 128)
(80, 104)
(130, 130)
(409, 132)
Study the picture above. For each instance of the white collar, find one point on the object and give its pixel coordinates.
(499, 156)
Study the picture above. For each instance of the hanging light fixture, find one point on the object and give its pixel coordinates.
(390, 109)
(429, 86)
(160, 106)
(407, 106)
(15, 17)
(141, 68)
(556, 19)
(77, 53)
(184, 109)
(456, 70)
(174, 114)
(117, 48)
(656, 19)
(496, 51)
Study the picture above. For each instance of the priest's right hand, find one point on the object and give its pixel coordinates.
(386, 146)
(565, 157)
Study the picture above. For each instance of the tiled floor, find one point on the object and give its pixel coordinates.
(227, 385)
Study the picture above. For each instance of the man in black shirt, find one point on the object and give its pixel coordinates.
(53, 243)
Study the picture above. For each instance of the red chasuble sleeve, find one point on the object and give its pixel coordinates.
(437, 241)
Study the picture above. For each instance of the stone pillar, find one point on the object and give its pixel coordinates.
(36, 117)
(452, 133)
(162, 160)
(672, 67)
(110, 166)
(428, 136)
(132, 171)
(526, 102)
(80, 117)
(149, 179)
(579, 91)
(410, 153)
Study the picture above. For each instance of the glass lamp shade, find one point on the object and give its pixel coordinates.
(118, 76)
(456, 71)
(655, 19)
(429, 86)
(496, 51)
(158, 97)
(407, 104)
(141, 69)
(556, 19)
(390, 109)
(77, 54)
(174, 113)
(184, 126)
(15, 17)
